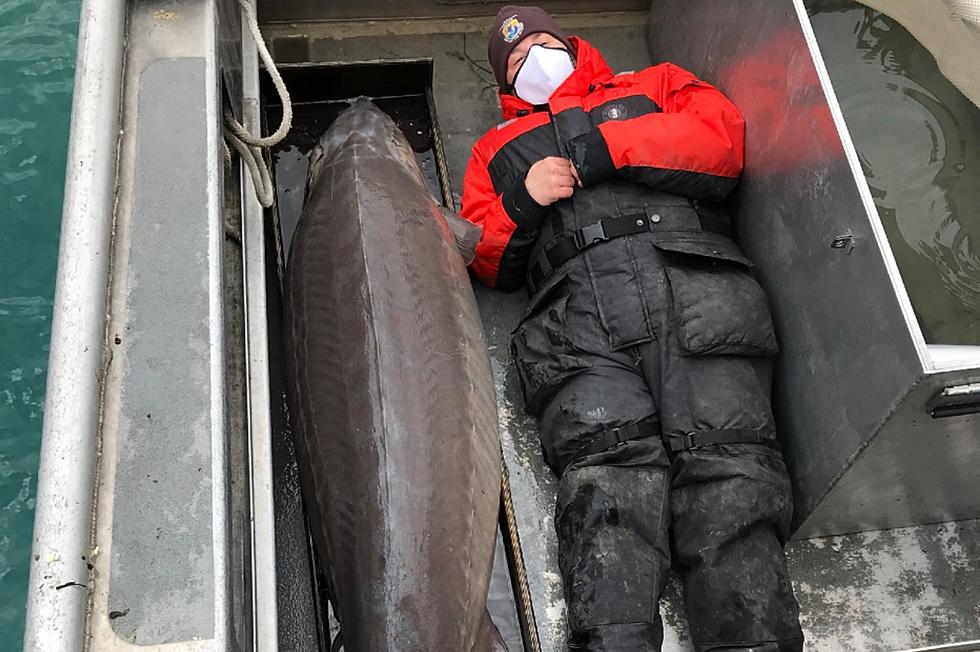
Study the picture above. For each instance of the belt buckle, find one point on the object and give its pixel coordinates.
(617, 434)
(589, 235)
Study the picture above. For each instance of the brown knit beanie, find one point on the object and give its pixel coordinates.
(510, 26)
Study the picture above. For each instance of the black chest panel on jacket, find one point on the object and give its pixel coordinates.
(516, 157)
(621, 272)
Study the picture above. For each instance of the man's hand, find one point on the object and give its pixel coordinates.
(551, 179)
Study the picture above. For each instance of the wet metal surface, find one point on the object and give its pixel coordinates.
(854, 590)
(532, 483)
(500, 600)
(854, 375)
(297, 598)
(890, 589)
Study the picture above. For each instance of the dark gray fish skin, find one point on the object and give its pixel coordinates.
(391, 397)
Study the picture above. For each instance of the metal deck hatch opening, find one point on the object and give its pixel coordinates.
(403, 89)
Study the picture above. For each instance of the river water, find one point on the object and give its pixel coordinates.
(918, 139)
(37, 59)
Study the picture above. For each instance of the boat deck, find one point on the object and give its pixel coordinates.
(168, 513)
(882, 590)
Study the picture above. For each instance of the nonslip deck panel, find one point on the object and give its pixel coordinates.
(162, 575)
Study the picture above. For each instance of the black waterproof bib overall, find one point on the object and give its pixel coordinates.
(647, 360)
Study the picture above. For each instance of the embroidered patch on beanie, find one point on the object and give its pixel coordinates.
(511, 29)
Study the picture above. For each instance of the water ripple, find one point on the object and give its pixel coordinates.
(37, 52)
(918, 139)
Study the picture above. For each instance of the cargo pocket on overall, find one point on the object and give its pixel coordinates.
(719, 307)
(543, 353)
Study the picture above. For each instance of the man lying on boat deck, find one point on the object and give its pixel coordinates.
(645, 351)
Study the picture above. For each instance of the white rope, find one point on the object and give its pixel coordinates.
(249, 146)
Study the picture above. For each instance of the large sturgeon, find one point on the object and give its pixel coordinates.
(391, 397)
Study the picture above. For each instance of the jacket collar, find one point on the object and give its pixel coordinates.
(590, 69)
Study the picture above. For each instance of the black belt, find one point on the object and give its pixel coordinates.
(698, 438)
(606, 439)
(569, 244)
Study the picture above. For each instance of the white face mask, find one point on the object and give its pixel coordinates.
(543, 71)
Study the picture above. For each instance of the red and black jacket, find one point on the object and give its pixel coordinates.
(654, 138)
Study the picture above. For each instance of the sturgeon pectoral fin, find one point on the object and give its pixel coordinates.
(465, 233)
